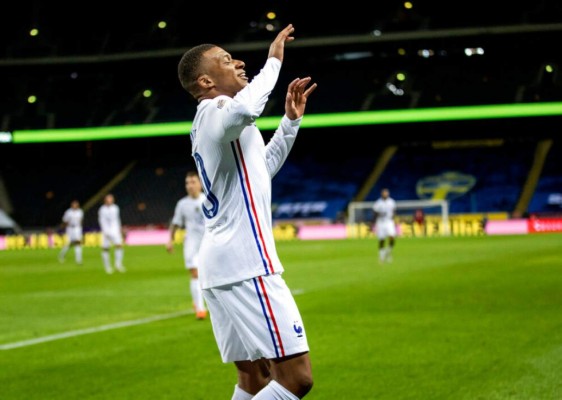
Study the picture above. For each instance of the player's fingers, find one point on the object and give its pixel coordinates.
(284, 34)
(302, 83)
(293, 84)
(311, 89)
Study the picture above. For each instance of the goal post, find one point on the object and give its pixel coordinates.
(360, 214)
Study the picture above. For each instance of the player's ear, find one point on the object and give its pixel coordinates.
(205, 81)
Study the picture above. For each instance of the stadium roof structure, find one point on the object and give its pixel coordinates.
(109, 73)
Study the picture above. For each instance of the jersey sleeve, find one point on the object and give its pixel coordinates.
(177, 219)
(280, 144)
(255, 95)
(101, 220)
(65, 217)
(248, 104)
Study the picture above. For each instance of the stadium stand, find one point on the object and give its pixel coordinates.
(482, 179)
(119, 74)
(547, 197)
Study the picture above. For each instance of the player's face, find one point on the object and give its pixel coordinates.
(227, 74)
(193, 186)
(74, 204)
(384, 194)
(109, 200)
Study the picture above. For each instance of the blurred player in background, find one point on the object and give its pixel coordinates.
(189, 215)
(109, 219)
(72, 222)
(255, 318)
(385, 209)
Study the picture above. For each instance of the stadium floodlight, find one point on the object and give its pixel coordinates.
(5, 137)
(343, 119)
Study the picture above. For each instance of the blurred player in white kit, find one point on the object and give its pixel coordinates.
(109, 219)
(72, 221)
(189, 215)
(385, 208)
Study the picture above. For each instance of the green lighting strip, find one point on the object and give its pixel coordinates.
(309, 121)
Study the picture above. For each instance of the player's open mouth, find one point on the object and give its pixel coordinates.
(243, 76)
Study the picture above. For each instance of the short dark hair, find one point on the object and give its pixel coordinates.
(190, 64)
(191, 173)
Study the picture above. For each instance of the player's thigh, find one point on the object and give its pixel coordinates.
(381, 231)
(190, 254)
(75, 234)
(391, 229)
(113, 237)
(266, 317)
(227, 337)
(109, 238)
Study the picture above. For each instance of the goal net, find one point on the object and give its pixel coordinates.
(417, 216)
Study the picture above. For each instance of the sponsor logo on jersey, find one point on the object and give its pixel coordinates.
(221, 103)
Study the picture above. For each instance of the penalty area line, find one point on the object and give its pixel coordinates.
(95, 329)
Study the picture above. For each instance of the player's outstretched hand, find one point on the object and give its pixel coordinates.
(170, 247)
(297, 95)
(277, 47)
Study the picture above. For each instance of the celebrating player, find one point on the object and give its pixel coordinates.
(255, 319)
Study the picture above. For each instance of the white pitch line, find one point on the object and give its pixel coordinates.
(87, 331)
(101, 328)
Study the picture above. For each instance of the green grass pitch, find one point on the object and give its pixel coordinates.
(449, 318)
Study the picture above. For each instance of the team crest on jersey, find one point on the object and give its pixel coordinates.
(221, 103)
(297, 328)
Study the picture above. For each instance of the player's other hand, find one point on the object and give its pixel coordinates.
(170, 247)
(297, 95)
(277, 47)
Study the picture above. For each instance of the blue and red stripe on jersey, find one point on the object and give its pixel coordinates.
(251, 206)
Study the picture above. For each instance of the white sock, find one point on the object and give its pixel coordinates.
(119, 258)
(78, 254)
(382, 254)
(197, 294)
(274, 391)
(240, 394)
(106, 261)
(63, 251)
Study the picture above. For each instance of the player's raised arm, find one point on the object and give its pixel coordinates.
(277, 47)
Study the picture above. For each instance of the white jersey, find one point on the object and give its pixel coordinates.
(73, 217)
(385, 209)
(189, 215)
(236, 168)
(109, 219)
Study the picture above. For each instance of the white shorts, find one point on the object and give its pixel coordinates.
(385, 229)
(74, 233)
(111, 237)
(191, 253)
(256, 318)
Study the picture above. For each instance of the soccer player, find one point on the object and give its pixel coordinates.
(72, 222)
(110, 223)
(255, 319)
(385, 209)
(189, 215)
